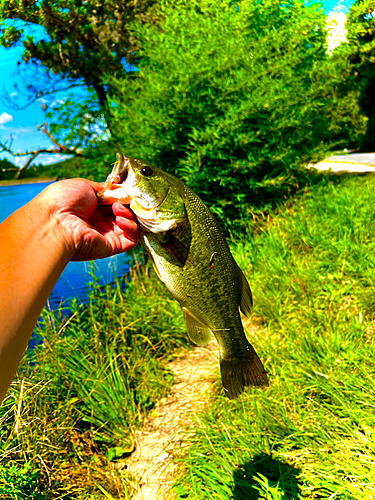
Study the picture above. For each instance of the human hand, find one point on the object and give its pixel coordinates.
(89, 231)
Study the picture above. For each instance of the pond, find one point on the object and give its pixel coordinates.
(74, 280)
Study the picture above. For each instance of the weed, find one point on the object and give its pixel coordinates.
(311, 433)
(80, 394)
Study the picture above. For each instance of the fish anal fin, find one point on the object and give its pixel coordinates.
(247, 370)
(246, 301)
(198, 333)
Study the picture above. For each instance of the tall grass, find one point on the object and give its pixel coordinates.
(79, 396)
(72, 410)
(311, 434)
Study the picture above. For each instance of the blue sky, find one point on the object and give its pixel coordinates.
(21, 125)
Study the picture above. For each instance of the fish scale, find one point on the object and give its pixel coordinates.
(191, 256)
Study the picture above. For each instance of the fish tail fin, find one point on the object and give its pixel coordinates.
(247, 370)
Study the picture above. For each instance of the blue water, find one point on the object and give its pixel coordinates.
(74, 280)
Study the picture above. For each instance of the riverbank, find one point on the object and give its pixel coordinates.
(31, 180)
(100, 372)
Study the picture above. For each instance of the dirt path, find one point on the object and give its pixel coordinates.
(163, 433)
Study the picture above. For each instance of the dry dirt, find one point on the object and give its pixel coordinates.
(158, 444)
(152, 463)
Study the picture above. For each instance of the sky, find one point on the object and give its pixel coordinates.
(20, 127)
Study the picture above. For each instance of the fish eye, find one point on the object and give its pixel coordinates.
(146, 171)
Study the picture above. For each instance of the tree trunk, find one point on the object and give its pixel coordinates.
(104, 105)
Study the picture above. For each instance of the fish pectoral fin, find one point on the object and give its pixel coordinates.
(198, 333)
(246, 301)
(177, 250)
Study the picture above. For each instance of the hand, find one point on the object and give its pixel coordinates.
(90, 231)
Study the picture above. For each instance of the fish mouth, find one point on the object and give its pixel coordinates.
(120, 186)
(120, 171)
(114, 189)
(123, 177)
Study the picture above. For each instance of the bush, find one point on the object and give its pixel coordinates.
(19, 482)
(360, 52)
(236, 99)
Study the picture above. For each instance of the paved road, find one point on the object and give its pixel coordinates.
(367, 158)
(353, 162)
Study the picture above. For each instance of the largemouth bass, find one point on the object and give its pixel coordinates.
(191, 256)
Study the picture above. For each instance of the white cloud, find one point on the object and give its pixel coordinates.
(5, 118)
(47, 158)
(17, 132)
(336, 29)
(57, 102)
(20, 161)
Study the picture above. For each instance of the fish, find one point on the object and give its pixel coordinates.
(192, 258)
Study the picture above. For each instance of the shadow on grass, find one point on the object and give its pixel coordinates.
(265, 477)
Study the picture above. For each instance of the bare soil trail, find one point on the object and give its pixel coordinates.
(164, 432)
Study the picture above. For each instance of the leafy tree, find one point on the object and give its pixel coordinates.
(360, 27)
(236, 98)
(7, 169)
(83, 42)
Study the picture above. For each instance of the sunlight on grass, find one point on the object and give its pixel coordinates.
(78, 398)
(311, 433)
(69, 418)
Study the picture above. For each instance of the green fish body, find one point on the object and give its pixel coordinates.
(192, 258)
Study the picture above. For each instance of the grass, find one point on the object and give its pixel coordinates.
(72, 410)
(311, 434)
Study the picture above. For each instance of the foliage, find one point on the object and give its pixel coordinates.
(235, 99)
(311, 433)
(78, 121)
(18, 483)
(360, 25)
(7, 169)
(81, 42)
(79, 396)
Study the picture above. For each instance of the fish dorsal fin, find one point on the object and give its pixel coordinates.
(246, 301)
(198, 333)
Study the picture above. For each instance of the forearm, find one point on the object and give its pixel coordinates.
(34, 254)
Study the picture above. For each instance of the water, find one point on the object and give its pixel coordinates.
(74, 280)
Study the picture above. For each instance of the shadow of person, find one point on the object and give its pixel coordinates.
(266, 477)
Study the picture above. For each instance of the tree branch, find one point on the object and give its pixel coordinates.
(11, 104)
(60, 149)
(49, 135)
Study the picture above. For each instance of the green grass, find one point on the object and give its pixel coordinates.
(78, 398)
(73, 408)
(311, 434)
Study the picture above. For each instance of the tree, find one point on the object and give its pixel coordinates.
(83, 42)
(7, 169)
(360, 27)
(236, 98)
